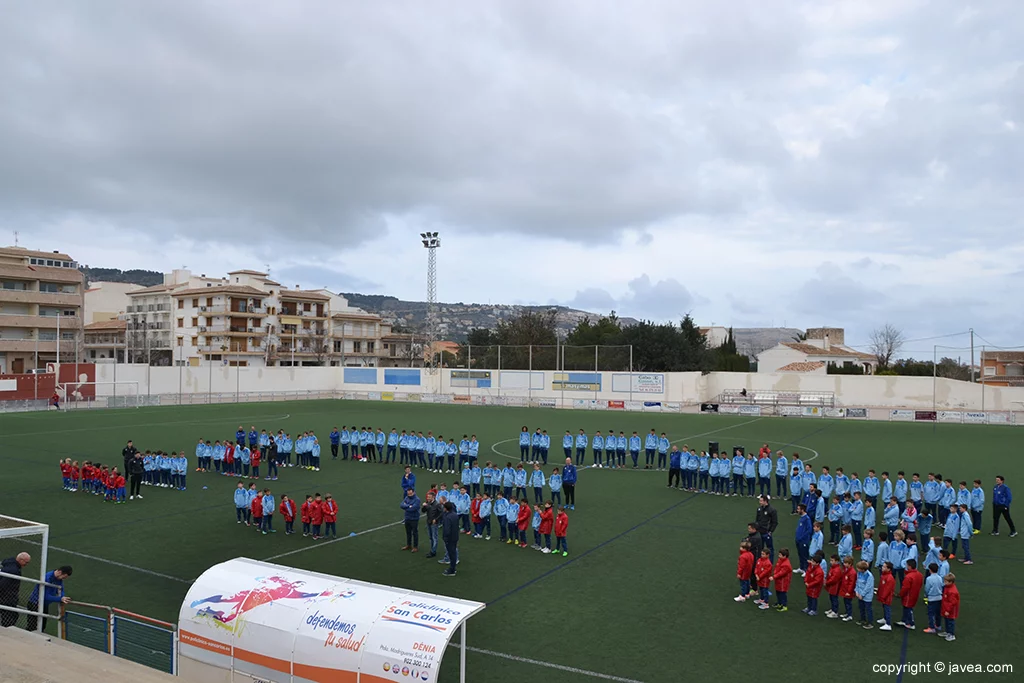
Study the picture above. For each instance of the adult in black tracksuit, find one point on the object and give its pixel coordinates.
(128, 453)
(136, 471)
(767, 519)
(450, 535)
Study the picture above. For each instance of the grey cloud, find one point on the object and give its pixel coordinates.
(662, 300)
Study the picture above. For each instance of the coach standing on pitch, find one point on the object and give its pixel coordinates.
(450, 536)
(135, 470)
(128, 453)
(767, 519)
(1001, 499)
(569, 484)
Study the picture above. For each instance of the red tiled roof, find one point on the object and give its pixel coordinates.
(106, 325)
(812, 350)
(803, 366)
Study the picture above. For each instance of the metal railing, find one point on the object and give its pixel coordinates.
(131, 636)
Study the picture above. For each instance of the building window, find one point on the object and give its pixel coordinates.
(195, 322)
(369, 347)
(385, 346)
(195, 341)
(181, 322)
(990, 371)
(357, 347)
(307, 308)
(181, 304)
(209, 301)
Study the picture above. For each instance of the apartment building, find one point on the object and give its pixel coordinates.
(105, 341)
(107, 301)
(401, 349)
(40, 308)
(356, 338)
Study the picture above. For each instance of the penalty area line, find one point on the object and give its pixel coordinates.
(548, 665)
(333, 540)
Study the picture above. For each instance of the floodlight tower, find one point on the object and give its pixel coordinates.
(431, 242)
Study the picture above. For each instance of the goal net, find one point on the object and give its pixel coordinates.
(78, 395)
(23, 549)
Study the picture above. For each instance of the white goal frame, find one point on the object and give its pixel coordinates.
(15, 527)
(63, 387)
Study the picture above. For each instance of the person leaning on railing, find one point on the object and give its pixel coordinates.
(53, 594)
(10, 587)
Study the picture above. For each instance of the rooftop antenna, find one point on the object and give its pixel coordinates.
(16, 238)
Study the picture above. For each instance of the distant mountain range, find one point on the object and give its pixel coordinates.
(455, 320)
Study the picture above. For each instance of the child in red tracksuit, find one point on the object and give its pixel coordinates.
(74, 475)
(254, 460)
(846, 587)
(330, 510)
(744, 567)
(547, 522)
(474, 516)
(561, 531)
(814, 579)
(118, 485)
(305, 512)
(783, 575)
(522, 522)
(287, 510)
(950, 605)
(763, 574)
(316, 516)
(886, 589)
(832, 581)
(229, 461)
(257, 510)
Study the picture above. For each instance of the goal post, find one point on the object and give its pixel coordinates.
(104, 395)
(18, 536)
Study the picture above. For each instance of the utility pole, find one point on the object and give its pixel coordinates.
(431, 244)
(972, 354)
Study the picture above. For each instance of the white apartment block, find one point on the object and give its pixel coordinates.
(248, 320)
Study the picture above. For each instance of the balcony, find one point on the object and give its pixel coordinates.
(24, 296)
(30, 345)
(233, 330)
(224, 309)
(230, 349)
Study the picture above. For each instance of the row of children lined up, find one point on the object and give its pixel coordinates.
(163, 470)
(495, 479)
(256, 509)
(415, 449)
(238, 459)
(512, 515)
(854, 582)
(277, 449)
(608, 451)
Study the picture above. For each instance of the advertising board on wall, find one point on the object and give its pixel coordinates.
(750, 410)
(638, 383)
(900, 415)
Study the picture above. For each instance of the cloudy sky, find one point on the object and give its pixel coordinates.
(754, 163)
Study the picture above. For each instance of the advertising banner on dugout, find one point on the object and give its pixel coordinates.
(277, 623)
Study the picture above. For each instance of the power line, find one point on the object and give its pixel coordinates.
(994, 346)
(911, 341)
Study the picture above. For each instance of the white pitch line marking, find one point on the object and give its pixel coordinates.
(115, 563)
(129, 427)
(333, 540)
(549, 665)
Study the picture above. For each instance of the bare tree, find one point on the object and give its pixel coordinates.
(886, 342)
(317, 341)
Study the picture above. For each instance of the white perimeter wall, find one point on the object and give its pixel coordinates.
(683, 387)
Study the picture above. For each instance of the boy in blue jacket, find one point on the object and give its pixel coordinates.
(674, 467)
(508, 480)
(781, 475)
(501, 512)
(737, 474)
(241, 498)
(634, 449)
(581, 447)
(620, 448)
(864, 589)
(555, 483)
(764, 475)
(537, 482)
(795, 488)
(597, 444)
(408, 480)
(520, 478)
(663, 445)
(750, 472)
(650, 447)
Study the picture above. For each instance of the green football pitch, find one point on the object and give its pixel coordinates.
(644, 595)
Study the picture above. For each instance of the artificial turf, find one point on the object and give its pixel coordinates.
(645, 594)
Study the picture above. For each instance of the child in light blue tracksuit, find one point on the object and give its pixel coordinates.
(537, 482)
(520, 481)
(486, 506)
(501, 512)
(966, 531)
(241, 499)
(555, 482)
(864, 589)
(508, 480)
(512, 520)
(535, 523)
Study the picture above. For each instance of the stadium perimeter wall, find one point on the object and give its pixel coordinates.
(566, 388)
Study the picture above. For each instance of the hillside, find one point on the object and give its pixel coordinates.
(146, 278)
(455, 320)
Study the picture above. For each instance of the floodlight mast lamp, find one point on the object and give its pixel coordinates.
(431, 242)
